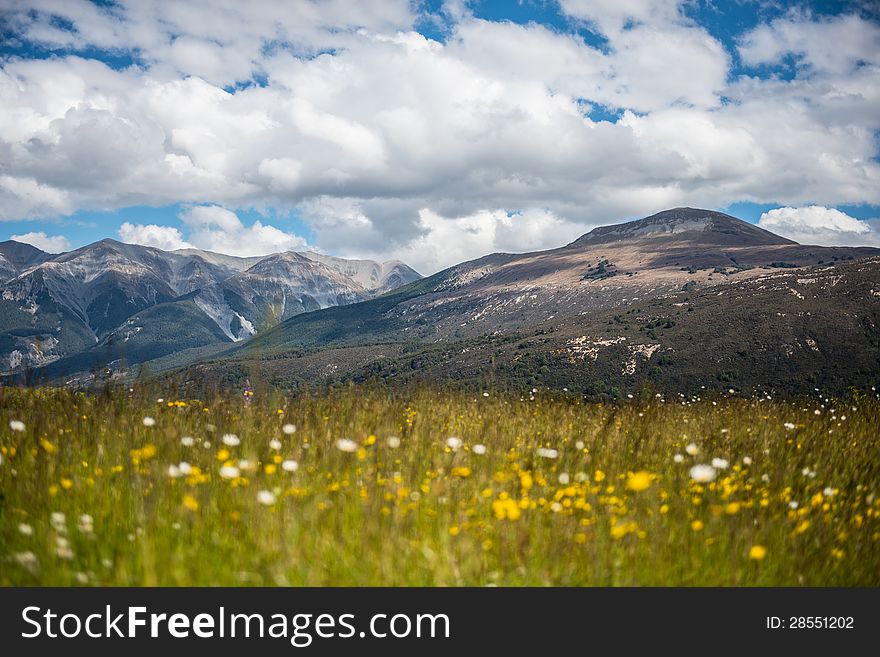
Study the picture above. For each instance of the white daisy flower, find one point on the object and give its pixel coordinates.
(266, 497)
(16, 425)
(453, 443)
(703, 473)
(720, 464)
(229, 472)
(148, 422)
(289, 429)
(692, 449)
(393, 442)
(275, 444)
(231, 440)
(187, 441)
(478, 449)
(547, 453)
(289, 465)
(346, 445)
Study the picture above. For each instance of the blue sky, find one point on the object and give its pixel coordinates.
(433, 131)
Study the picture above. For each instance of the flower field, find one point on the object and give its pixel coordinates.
(371, 487)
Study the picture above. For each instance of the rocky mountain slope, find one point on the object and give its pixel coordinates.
(97, 303)
(681, 297)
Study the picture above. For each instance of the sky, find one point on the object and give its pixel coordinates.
(432, 131)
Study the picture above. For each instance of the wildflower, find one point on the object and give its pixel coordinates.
(453, 443)
(173, 471)
(289, 465)
(190, 503)
(86, 523)
(16, 425)
(288, 429)
(275, 444)
(837, 553)
(692, 449)
(187, 441)
(829, 492)
(547, 453)
(720, 464)
(62, 549)
(579, 444)
(563, 478)
(266, 497)
(793, 505)
(757, 552)
(506, 508)
(27, 559)
(346, 445)
(479, 449)
(599, 476)
(461, 472)
(638, 481)
(678, 458)
(58, 521)
(25, 529)
(185, 468)
(697, 525)
(231, 440)
(148, 422)
(732, 509)
(790, 425)
(747, 460)
(230, 472)
(703, 473)
(244, 464)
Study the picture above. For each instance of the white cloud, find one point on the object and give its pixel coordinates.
(380, 136)
(213, 228)
(447, 241)
(816, 224)
(834, 45)
(166, 238)
(47, 243)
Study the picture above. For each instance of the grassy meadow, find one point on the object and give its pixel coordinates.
(369, 487)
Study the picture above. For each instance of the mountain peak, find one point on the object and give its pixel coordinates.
(685, 224)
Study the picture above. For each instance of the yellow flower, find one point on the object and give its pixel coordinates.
(732, 509)
(190, 503)
(638, 481)
(462, 472)
(223, 454)
(599, 476)
(454, 531)
(837, 553)
(46, 445)
(66, 483)
(270, 468)
(757, 552)
(506, 508)
(697, 525)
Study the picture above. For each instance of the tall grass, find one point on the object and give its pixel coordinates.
(566, 493)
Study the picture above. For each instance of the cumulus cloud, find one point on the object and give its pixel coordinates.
(447, 241)
(816, 224)
(166, 238)
(378, 136)
(47, 243)
(213, 228)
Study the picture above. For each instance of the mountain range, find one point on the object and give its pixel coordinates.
(135, 303)
(686, 299)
